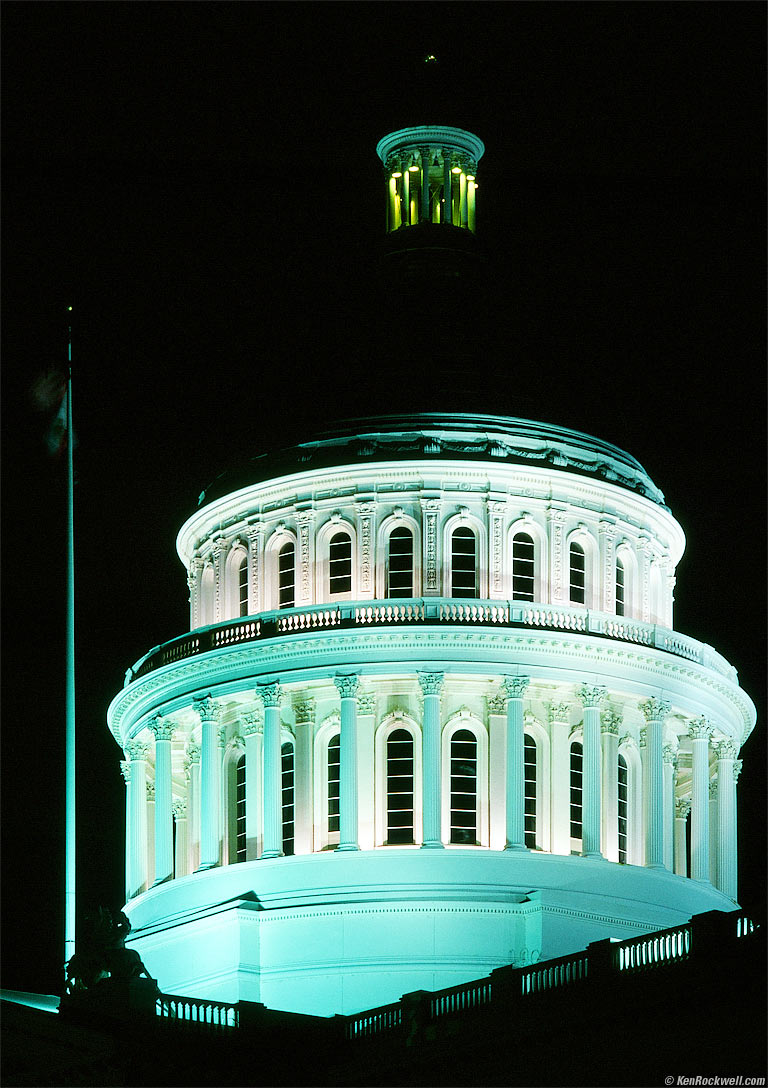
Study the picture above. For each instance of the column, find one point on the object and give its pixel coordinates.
(447, 206)
(347, 687)
(700, 731)
(425, 159)
(192, 768)
(497, 769)
(591, 696)
(463, 211)
(726, 819)
(181, 857)
(254, 738)
(560, 775)
(655, 711)
(431, 684)
(150, 809)
(514, 688)
(610, 807)
(669, 756)
(682, 809)
(125, 771)
(643, 746)
(163, 731)
(273, 772)
(366, 727)
(471, 205)
(303, 833)
(210, 831)
(406, 212)
(713, 832)
(136, 826)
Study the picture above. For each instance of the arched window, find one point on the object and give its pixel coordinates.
(333, 783)
(399, 787)
(463, 562)
(286, 575)
(577, 573)
(530, 791)
(242, 585)
(623, 808)
(340, 563)
(577, 760)
(620, 586)
(288, 797)
(522, 567)
(240, 848)
(400, 563)
(464, 788)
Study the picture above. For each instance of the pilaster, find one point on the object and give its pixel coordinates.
(609, 723)
(210, 830)
(700, 732)
(591, 697)
(655, 711)
(348, 687)
(514, 688)
(270, 696)
(560, 776)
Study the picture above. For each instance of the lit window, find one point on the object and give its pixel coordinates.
(619, 587)
(577, 760)
(240, 808)
(530, 792)
(400, 563)
(623, 808)
(463, 563)
(464, 788)
(333, 783)
(286, 575)
(522, 567)
(399, 788)
(288, 798)
(340, 563)
(242, 585)
(578, 568)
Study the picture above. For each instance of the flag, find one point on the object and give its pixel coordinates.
(49, 394)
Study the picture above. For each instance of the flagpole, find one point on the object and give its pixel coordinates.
(69, 856)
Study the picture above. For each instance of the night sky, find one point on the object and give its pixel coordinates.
(200, 182)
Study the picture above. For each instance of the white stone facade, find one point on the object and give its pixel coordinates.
(431, 760)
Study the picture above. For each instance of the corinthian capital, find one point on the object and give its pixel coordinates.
(347, 686)
(592, 695)
(682, 807)
(270, 693)
(304, 709)
(207, 708)
(669, 754)
(125, 770)
(610, 720)
(726, 749)
(193, 752)
(655, 709)
(737, 764)
(700, 729)
(431, 683)
(560, 712)
(514, 687)
(161, 727)
(136, 749)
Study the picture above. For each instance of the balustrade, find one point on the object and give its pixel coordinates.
(429, 610)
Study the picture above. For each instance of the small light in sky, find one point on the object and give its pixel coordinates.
(430, 59)
(69, 307)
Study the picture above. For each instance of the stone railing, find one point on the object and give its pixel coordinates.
(197, 1011)
(428, 610)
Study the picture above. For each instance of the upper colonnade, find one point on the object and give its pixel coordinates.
(501, 512)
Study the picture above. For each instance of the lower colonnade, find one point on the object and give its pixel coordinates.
(434, 760)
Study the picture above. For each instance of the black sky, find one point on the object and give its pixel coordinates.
(200, 182)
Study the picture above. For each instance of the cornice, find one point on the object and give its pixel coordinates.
(545, 655)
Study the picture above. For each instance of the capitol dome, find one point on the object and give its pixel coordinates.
(431, 716)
